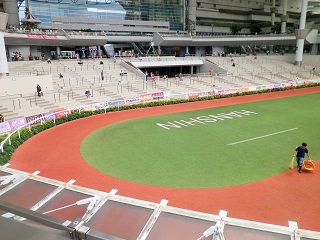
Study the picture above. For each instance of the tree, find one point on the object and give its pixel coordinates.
(276, 28)
(29, 21)
(235, 29)
(255, 28)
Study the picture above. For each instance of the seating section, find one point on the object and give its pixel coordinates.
(118, 82)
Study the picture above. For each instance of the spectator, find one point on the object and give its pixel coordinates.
(49, 60)
(87, 93)
(101, 63)
(233, 64)
(214, 89)
(180, 76)
(1, 118)
(210, 71)
(146, 75)
(102, 75)
(60, 75)
(38, 89)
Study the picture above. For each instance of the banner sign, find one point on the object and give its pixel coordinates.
(4, 127)
(99, 106)
(49, 116)
(120, 102)
(235, 90)
(16, 123)
(35, 118)
(50, 37)
(204, 94)
(193, 95)
(34, 36)
(133, 100)
(157, 96)
(62, 113)
(245, 89)
(145, 97)
(223, 92)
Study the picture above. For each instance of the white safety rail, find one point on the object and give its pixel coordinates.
(29, 124)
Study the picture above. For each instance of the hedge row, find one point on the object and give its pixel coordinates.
(27, 133)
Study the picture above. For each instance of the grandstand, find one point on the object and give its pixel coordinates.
(123, 80)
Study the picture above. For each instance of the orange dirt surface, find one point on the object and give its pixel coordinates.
(275, 200)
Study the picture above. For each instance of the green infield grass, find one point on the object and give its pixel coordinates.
(207, 148)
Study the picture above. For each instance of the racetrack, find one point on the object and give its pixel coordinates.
(55, 152)
(207, 148)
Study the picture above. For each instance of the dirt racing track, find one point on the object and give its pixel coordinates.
(276, 200)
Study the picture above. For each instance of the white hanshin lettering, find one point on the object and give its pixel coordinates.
(205, 119)
(177, 122)
(168, 125)
(192, 121)
(245, 112)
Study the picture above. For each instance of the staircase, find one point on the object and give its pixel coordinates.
(137, 47)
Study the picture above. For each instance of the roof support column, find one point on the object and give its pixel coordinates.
(301, 33)
(58, 50)
(11, 8)
(314, 49)
(99, 51)
(4, 69)
(284, 17)
(273, 12)
(192, 22)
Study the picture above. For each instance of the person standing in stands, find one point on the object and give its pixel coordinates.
(102, 75)
(38, 89)
(1, 118)
(146, 74)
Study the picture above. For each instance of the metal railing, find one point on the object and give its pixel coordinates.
(36, 120)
